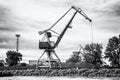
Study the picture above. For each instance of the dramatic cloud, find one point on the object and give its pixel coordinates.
(27, 17)
(11, 24)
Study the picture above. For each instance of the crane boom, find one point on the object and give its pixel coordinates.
(64, 30)
(77, 10)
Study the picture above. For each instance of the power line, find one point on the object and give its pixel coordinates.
(92, 36)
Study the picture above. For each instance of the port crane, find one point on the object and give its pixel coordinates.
(80, 51)
(48, 46)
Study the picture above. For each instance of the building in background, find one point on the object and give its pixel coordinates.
(32, 62)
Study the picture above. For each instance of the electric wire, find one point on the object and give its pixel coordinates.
(92, 39)
(92, 36)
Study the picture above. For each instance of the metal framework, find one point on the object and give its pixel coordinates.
(17, 43)
(49, 46)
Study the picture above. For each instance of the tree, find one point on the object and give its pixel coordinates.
(74, 58)
(93, 54)
(13, 57)
(112, 51)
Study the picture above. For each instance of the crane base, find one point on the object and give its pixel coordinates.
(50, 62)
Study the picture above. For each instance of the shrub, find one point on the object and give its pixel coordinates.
(1, 64)
(83, 64)
(23, 64)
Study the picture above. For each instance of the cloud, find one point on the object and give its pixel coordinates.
(106, 16)
(4, 26)
(27, 17)
(107, 7)
(10, 24)
(115, 8)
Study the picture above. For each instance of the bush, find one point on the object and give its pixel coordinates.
(23, 64)
(70, 65)
(1, 64)
(84, 65)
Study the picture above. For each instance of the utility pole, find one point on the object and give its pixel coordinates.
(17, 43)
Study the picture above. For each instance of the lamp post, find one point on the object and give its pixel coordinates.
(17, 43)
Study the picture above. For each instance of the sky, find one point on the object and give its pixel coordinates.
(27, 17)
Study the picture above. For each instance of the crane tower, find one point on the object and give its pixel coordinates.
(17, 43)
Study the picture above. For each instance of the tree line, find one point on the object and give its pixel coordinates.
(92, 54)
